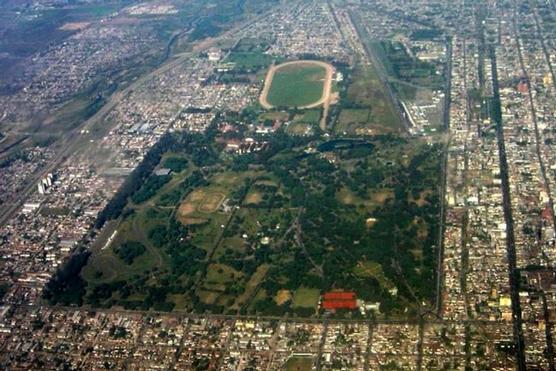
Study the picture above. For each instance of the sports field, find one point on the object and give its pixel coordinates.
(304, 84)
(202, 201)
(299, 364)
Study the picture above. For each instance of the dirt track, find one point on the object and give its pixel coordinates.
(325, 98)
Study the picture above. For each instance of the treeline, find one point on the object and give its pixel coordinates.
(426, 34)
(129, 251)
(199, 147)
(149, 189)
(9, 160)
(207, 27)
(67, 287)
(132, 184)
(196, 110)
(196, 179)
(176, 164)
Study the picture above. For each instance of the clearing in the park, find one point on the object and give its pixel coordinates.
(303, 84)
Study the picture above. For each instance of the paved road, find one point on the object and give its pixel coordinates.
(444, 180)
(185, 314)
(546, 183)
(533, 115)
(541, 39)
(508, 217)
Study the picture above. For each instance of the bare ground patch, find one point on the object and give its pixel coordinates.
(74, 26)
(253, 197)
(283, 296)
(211, 202)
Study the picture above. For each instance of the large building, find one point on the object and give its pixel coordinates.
(339, 300)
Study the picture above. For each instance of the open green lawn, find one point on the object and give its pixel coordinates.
(300, 128)
(306, 297)
(251, 44)
(299, 364)
(220, 274)
(276, 115)
(106, 266)
(252, 285)
(309, 116)
(376, 113)
(250, 60)
(296, 85)
(349, 116)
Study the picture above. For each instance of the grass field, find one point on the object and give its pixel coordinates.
(296, 85)
(299, 364)
(202, 201)
(306, 297)
(375, 113)
(201, 208)
(276, 115)
(212, 202)
(282, 296)
(251, 285)
(374, 199)
(300, 128)
(220, 273)
(249, 60)
(309, 116)
(105, 266)
(208, 297)
(251, 44)
(355, 116)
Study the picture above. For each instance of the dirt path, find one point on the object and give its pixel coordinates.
(325, 108)
(299, 242)
(326, 90)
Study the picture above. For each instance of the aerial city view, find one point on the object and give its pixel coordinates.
(277, 185)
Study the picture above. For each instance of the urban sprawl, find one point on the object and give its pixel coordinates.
(496, 286)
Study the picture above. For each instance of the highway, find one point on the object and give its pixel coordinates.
(465, 178)
(444, 178)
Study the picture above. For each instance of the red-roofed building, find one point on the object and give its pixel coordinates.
(339, 295)
(339, 300)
